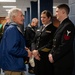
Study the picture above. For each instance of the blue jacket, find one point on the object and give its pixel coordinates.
(12, 49)
(6, 26)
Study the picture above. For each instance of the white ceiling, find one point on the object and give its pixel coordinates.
(23, 4)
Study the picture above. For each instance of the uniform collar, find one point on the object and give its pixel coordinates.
(47, 24)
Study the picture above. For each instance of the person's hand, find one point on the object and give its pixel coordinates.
(50, 58)
(36, 54)
(29, 52)
(26, 48)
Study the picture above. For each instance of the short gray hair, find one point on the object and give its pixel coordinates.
(13, 12)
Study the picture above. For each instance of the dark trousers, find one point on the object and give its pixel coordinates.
(43, 67)
(30, 67)
(63, 71)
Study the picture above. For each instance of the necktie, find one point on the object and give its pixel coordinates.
(43, 27)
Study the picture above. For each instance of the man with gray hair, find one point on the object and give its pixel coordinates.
(13, 48)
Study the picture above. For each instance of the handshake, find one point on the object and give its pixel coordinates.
(34, 53)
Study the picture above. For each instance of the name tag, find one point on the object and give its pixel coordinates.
(48, 31)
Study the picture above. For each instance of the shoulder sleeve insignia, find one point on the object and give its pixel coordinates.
(67, 35)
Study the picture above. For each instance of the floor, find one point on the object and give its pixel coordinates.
(26, 73)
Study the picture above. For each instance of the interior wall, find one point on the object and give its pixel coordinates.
(2, 19)
(72, 10)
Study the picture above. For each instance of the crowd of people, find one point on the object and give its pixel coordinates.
(51, 47)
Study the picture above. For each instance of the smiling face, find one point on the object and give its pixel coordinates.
(62, 12)
(19, 18)
(44, 19)
(58, 13)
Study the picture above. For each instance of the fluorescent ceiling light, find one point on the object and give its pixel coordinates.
(54, 6)
(7, 0)
(9, 6)
(7, 9)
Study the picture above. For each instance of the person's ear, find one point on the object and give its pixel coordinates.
(63, 11)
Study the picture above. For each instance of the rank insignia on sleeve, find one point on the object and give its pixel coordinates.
(67, 35)
(68, 32)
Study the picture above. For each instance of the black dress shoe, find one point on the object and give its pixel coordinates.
(31, 71)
